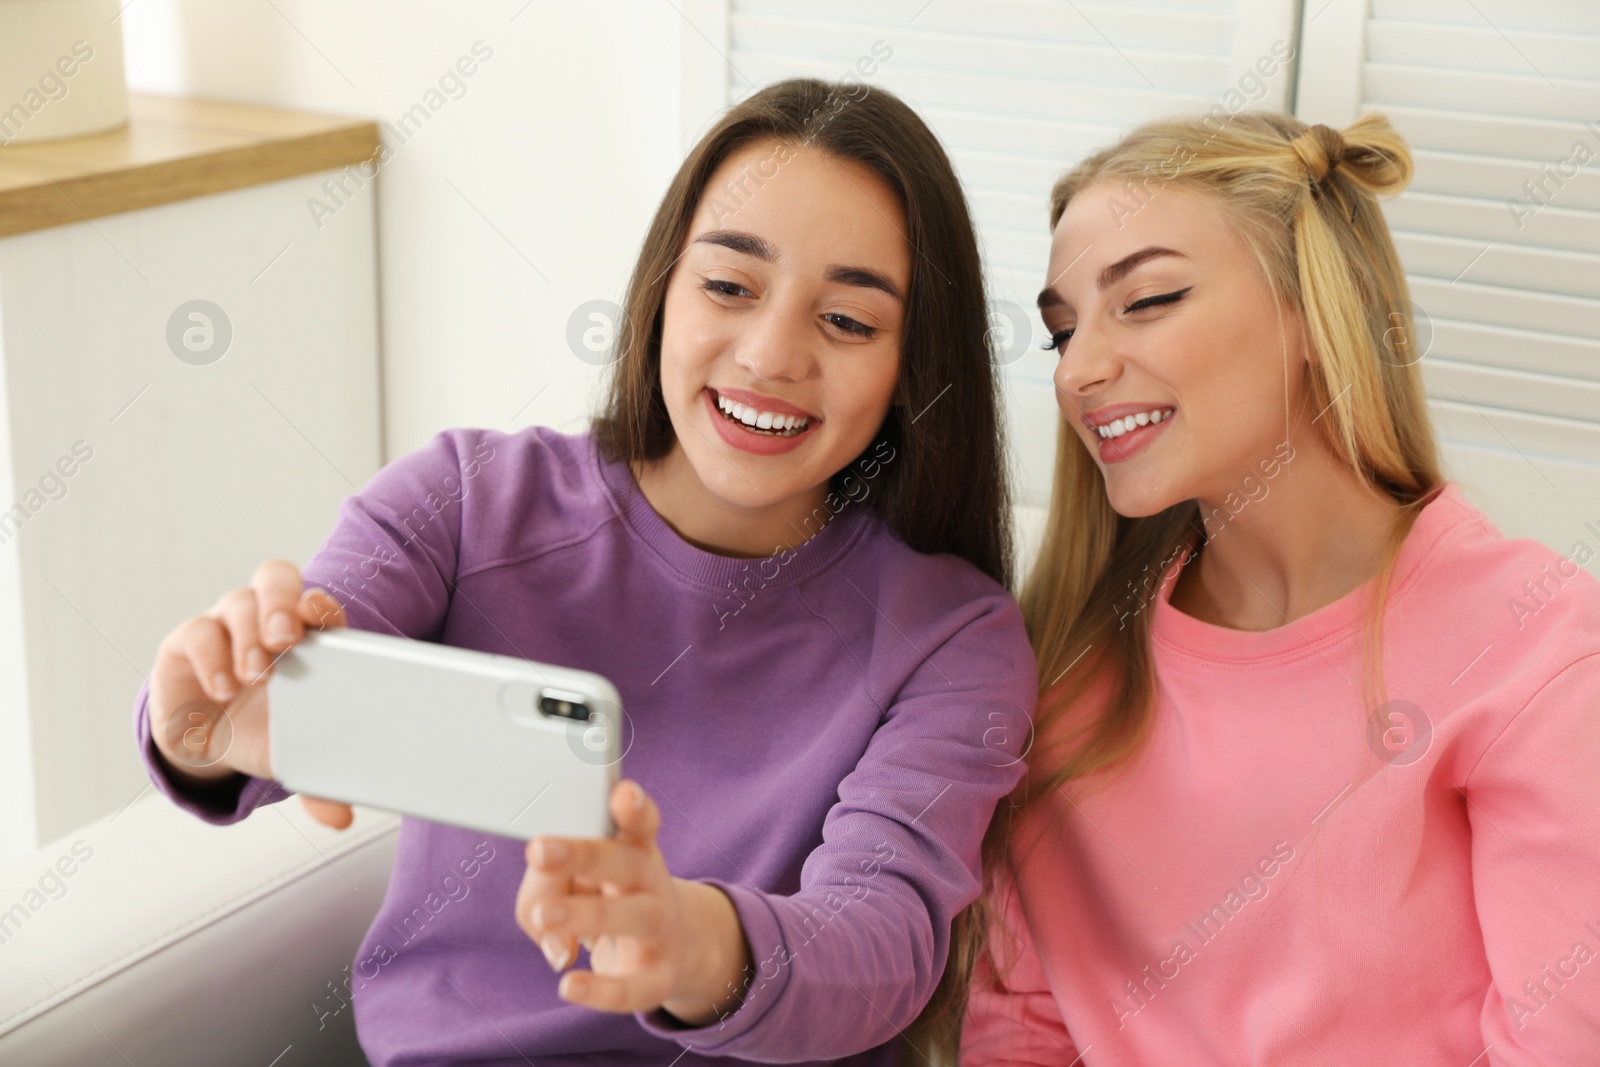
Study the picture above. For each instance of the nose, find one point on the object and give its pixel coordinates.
(777, 343)
(1088, 368)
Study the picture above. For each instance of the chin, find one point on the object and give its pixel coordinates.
(737, 492)
(721, 476)
(1138, 501)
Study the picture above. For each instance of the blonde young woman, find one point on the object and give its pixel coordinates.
(1316, 777)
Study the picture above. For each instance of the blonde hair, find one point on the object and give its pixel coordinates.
(1304, 199)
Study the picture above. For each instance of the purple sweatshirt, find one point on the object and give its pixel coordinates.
(826, 731)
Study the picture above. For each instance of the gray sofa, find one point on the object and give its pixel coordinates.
(152, 938)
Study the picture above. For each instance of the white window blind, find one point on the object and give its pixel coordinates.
(1492, 95)
(1499, 232)
(1017, 92)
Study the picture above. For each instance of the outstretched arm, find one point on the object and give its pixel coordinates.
(846, 962)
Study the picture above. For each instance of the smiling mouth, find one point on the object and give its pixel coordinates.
(1110, 431)
(767, 423)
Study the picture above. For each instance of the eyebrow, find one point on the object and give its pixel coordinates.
(1114, 273)
(751, 245)
(747, 243)
(866, 279)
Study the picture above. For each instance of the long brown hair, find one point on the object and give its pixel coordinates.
(1304, 198)
(946, 489)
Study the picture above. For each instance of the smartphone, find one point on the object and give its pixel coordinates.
(489, 743)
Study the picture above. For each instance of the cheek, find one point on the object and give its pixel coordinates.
(688, 342)
(1264, 386)
(1235, 397)
(862, 392)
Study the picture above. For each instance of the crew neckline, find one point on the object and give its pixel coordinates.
(712, 568)
(1330, 624)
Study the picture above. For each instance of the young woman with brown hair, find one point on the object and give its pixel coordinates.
(785, 542)
(1306, 787)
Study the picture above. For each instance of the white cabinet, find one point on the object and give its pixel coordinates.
(191, 385)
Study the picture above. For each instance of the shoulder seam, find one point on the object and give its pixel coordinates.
(1466, 779)
(543, 550)
(866, 688)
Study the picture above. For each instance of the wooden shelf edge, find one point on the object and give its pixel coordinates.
(323, 142)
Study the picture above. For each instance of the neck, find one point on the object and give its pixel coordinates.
(1317, 532)
(705, 520)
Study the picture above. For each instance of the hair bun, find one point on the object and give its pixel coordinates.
(1319, 149)
(1369, 153)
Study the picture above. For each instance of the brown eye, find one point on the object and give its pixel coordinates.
(849, 325)
(717, 285)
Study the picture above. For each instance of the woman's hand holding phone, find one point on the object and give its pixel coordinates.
(654, 941)
(208, 689)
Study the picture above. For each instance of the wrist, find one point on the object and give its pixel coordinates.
(717, 956)
(189, 776)
(200, 779)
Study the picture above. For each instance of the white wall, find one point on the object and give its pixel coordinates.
(512, 206)
(523, 195)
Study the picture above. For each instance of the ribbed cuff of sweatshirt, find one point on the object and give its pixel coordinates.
(228, 801)
(768, 952)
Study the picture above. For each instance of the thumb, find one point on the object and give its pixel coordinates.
(635, 814)
(329, 812)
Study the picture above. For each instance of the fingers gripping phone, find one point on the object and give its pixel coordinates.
(489, 743)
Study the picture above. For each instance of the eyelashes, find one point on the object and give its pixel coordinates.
(726, 288)
(1056, 340)
(1061, 337)
(1156, 301)
(840, 322)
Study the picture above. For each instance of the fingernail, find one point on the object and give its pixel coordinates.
(638, 797)
(222, 682)
(320, 604)
(550, 852)
(279, 628)
(549, 913)
(256, 660)
(571, 985)
(555, 951)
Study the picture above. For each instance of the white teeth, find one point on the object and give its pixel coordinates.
(1117, 427)
(762, 420)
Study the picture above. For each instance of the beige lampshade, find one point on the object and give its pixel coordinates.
(60, 69)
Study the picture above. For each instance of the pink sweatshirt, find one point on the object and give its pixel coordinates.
(1261, 886)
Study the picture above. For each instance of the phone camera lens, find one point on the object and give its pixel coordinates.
(564, 708)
